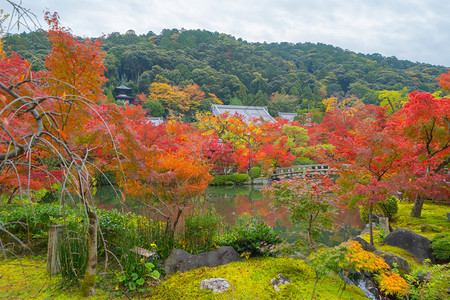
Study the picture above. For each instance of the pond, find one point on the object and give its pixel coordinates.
(238, 205)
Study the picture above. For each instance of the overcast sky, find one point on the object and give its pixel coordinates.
(416, 30)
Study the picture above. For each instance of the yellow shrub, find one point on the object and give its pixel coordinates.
(392, 283)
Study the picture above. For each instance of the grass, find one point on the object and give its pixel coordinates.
(251, 280)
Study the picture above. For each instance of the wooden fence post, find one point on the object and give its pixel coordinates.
(53, 259)
(384, 224)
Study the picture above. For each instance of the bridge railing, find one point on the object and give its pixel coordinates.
(299, 170)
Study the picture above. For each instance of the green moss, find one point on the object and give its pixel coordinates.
(251, 280)
(27, 278)
(432, 213)
(88, 284)
(413, 262)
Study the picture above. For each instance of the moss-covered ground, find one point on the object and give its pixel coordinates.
(27, 278)
(251, 280)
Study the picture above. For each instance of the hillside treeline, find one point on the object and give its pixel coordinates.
(283, 76)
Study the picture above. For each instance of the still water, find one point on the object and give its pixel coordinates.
(238, 206)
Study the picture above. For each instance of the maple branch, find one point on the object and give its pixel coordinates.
(442, 164)
(430, 136)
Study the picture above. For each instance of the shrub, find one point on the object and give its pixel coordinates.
(302, 160)
(441, 247)
(389, 207)
(257, 239)
(200, 230)
(255, 172)
(238, 178)
(221, 180)
(429, 282)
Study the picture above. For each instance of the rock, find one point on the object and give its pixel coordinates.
(417, 245)
(367, 229)
(180, 260)
(390, 259)
(175, 258)
(429, 228)
(365, 245)
(374, 218)
(448, 216)
(279, 280)
(217, 285)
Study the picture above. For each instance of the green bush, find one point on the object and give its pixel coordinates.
(255, 172)
(441, 247)
(389, 207)
(257, 239)
(201, 229)
(238, 178)
(303, 160)
(431, 282)
(221, 180)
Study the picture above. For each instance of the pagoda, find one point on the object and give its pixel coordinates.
(122, 92)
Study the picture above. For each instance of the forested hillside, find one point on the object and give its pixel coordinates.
(283, 76)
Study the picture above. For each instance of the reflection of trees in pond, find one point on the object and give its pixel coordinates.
(239, 205)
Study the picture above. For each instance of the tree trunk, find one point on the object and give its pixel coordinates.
(416, 211)
(314, 287)
(87, 288)
(370, 224)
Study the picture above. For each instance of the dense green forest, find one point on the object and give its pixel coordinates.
(283, 76)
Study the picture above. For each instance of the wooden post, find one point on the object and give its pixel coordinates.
(53, 259)
(384, 224)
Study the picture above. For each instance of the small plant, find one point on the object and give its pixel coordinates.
(252, 238)
(134, 281)
(381, 234)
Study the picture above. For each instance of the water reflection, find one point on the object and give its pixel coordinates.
(238, 206)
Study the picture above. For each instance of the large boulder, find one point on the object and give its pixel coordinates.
(175, 258)
(365, 245)
(391, 259)
(417, 245)
(180, 260)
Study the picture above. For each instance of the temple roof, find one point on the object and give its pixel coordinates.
(248, 112)
(122, 89)
(289, 116)
(156, 121)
